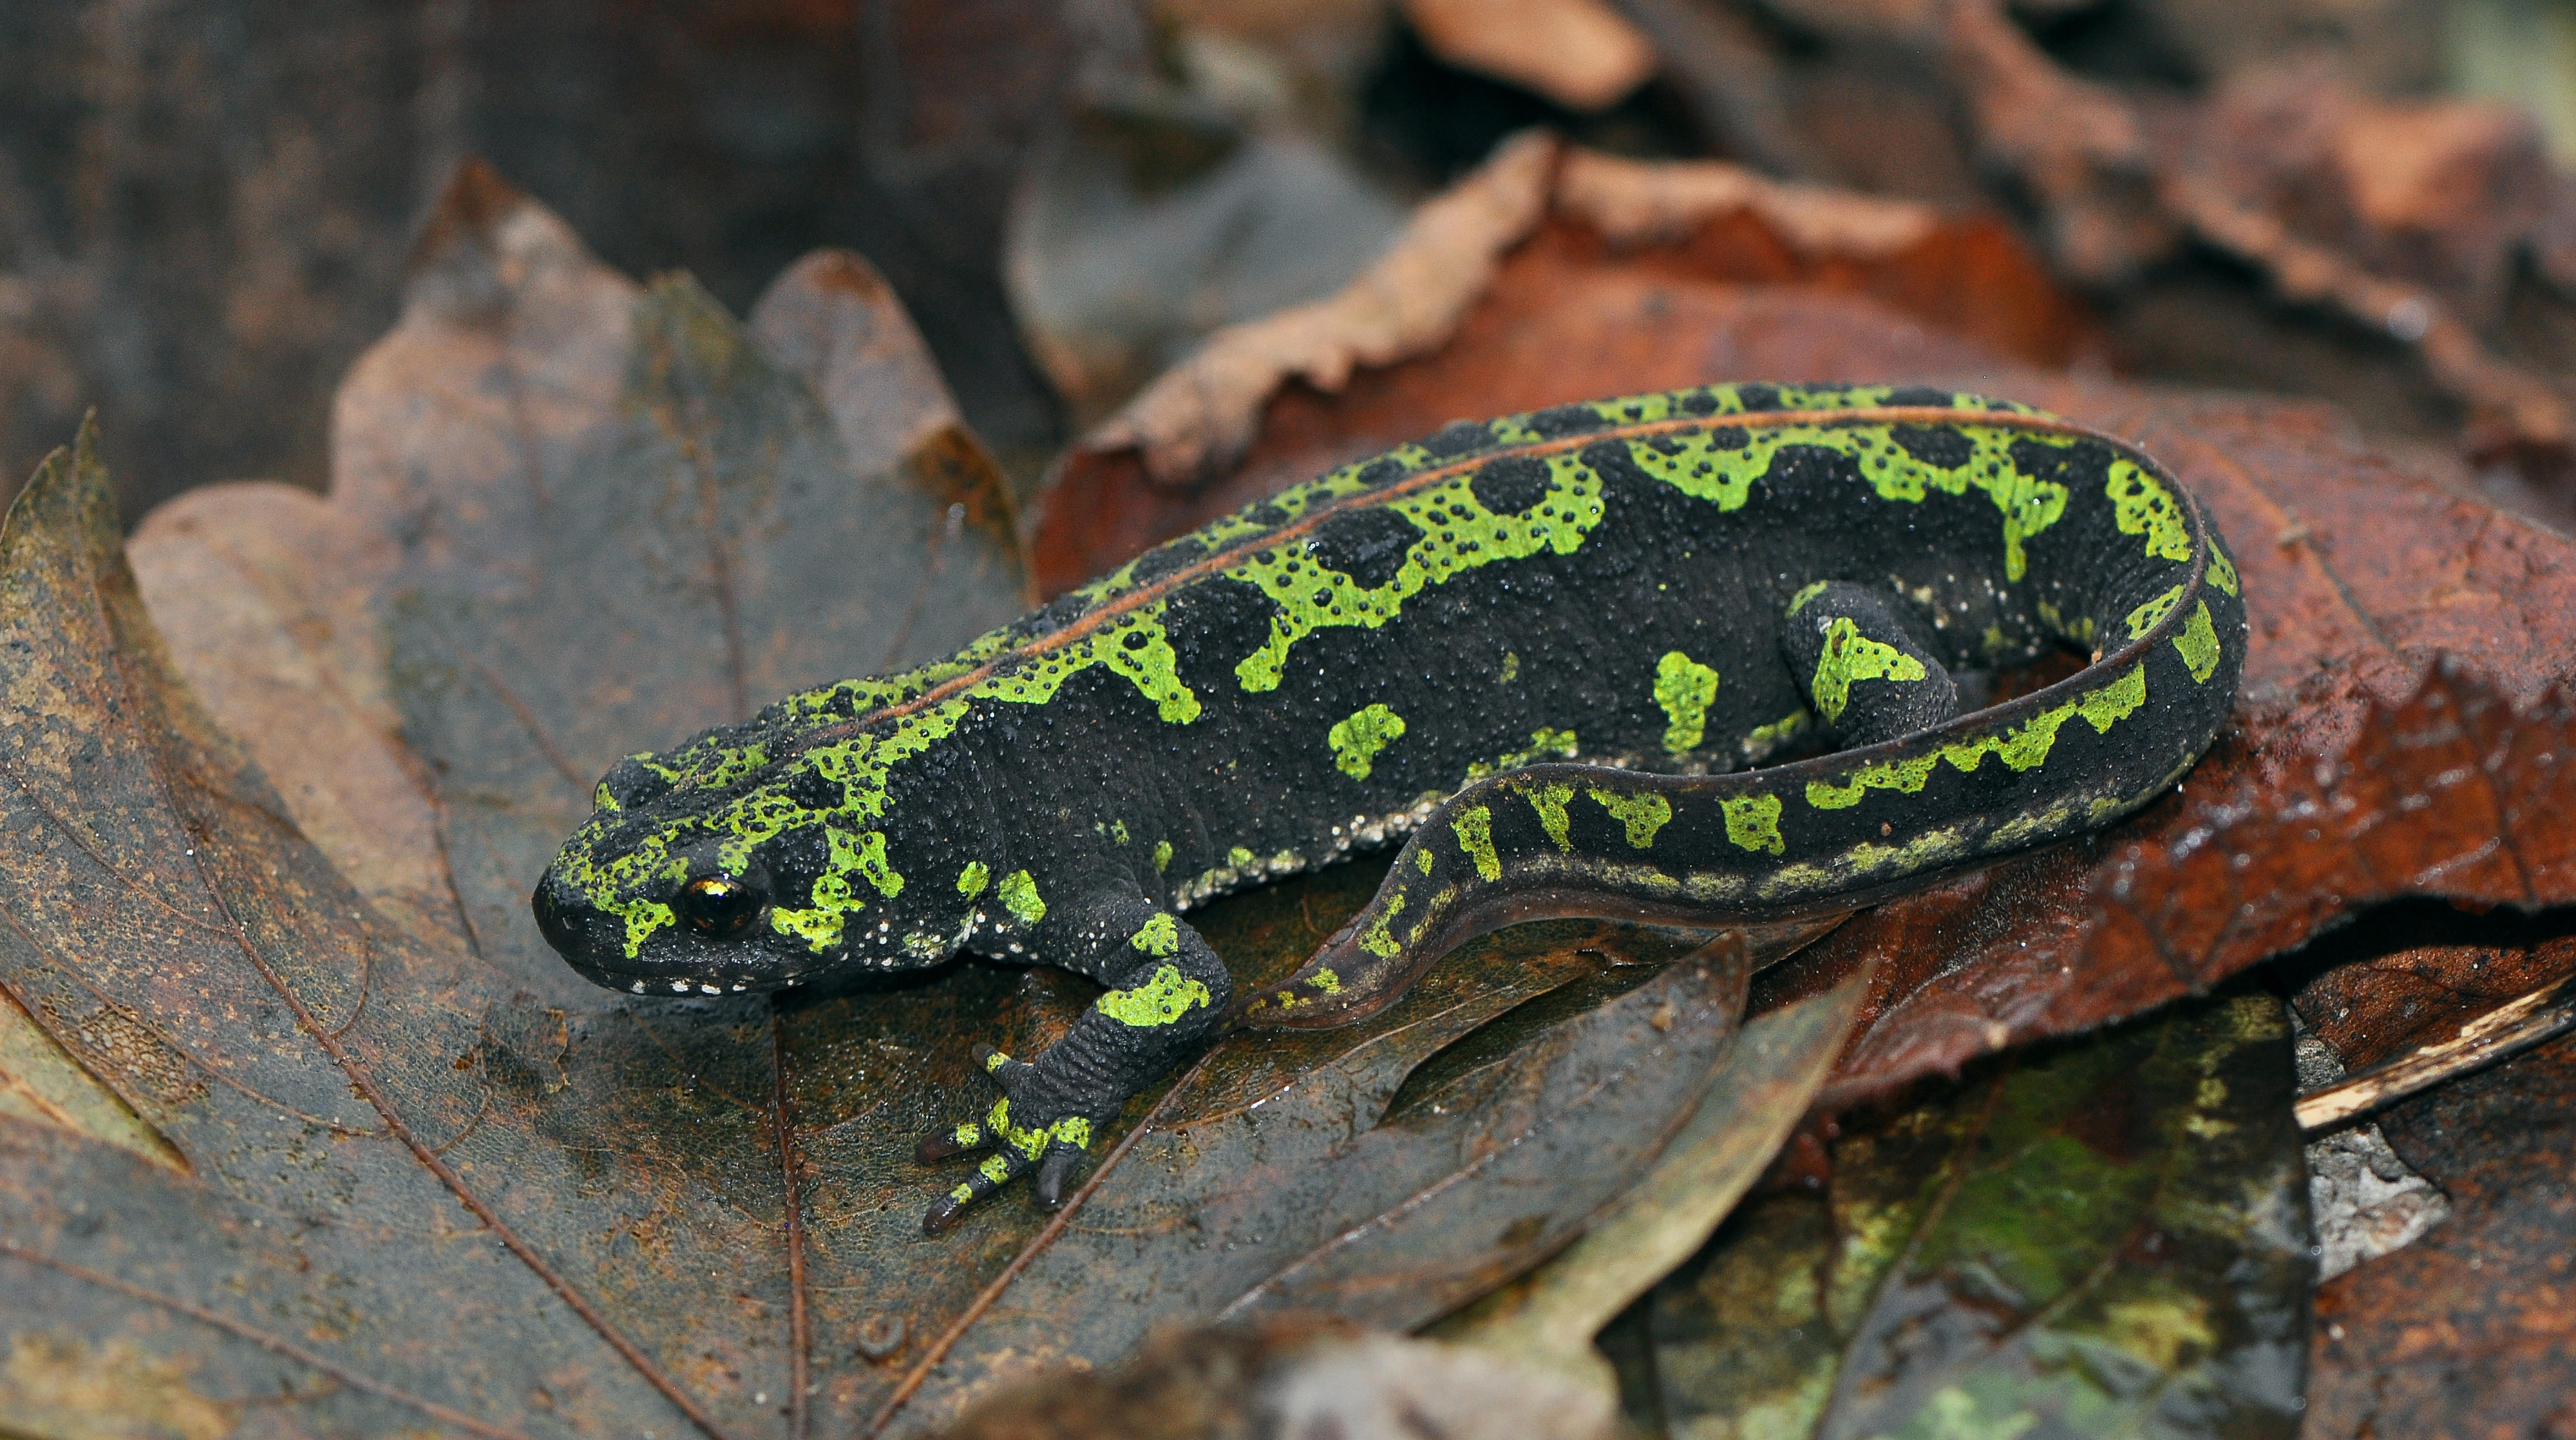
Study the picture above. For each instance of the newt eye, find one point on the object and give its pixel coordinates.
(717, 907)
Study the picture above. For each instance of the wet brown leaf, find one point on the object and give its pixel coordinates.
(2381, 991)
(2471, 1330)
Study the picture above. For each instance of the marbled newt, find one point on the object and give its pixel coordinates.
(1540, 651)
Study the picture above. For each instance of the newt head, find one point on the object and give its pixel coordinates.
(740, 861)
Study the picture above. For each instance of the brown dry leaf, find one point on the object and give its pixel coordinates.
(2411, 219)
(1582, 54)
(262, 592)
(2443, 194)
(1562, 276)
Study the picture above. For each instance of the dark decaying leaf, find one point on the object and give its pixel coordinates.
(1286, 1185)
(2470, 1331)
(2106, 1238)
(337, 1234)
(1548, 1320)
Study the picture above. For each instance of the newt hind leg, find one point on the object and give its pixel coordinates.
(1855, 652)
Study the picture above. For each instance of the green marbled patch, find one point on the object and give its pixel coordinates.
(1850, 657)
(1357, 739)
(2198, 645)
(1753, 822)
(1019, 895)
(1474, 827)
(1643, 815)
(1684, 689)
(1159, 937)
(1161, 1000)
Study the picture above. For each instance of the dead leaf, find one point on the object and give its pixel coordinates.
(1199, 419)
(2471, 1330)
(1547, 1321)
(263, 594)
(2107, 1238)
(1582, 54)
(1343, 1178)
(1536, 307)
(831, 319)
(2376, 996)
(355, 1232)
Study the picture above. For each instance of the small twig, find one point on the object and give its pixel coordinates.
(2509, 1029)
(1037, 1246)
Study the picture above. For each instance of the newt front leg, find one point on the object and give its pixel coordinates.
(1167, 989)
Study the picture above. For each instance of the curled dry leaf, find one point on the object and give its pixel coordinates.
(1561, 276)
(1582, 54)
(1150, 219)
(1199, 418)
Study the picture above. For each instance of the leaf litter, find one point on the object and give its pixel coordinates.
(708, 1193)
